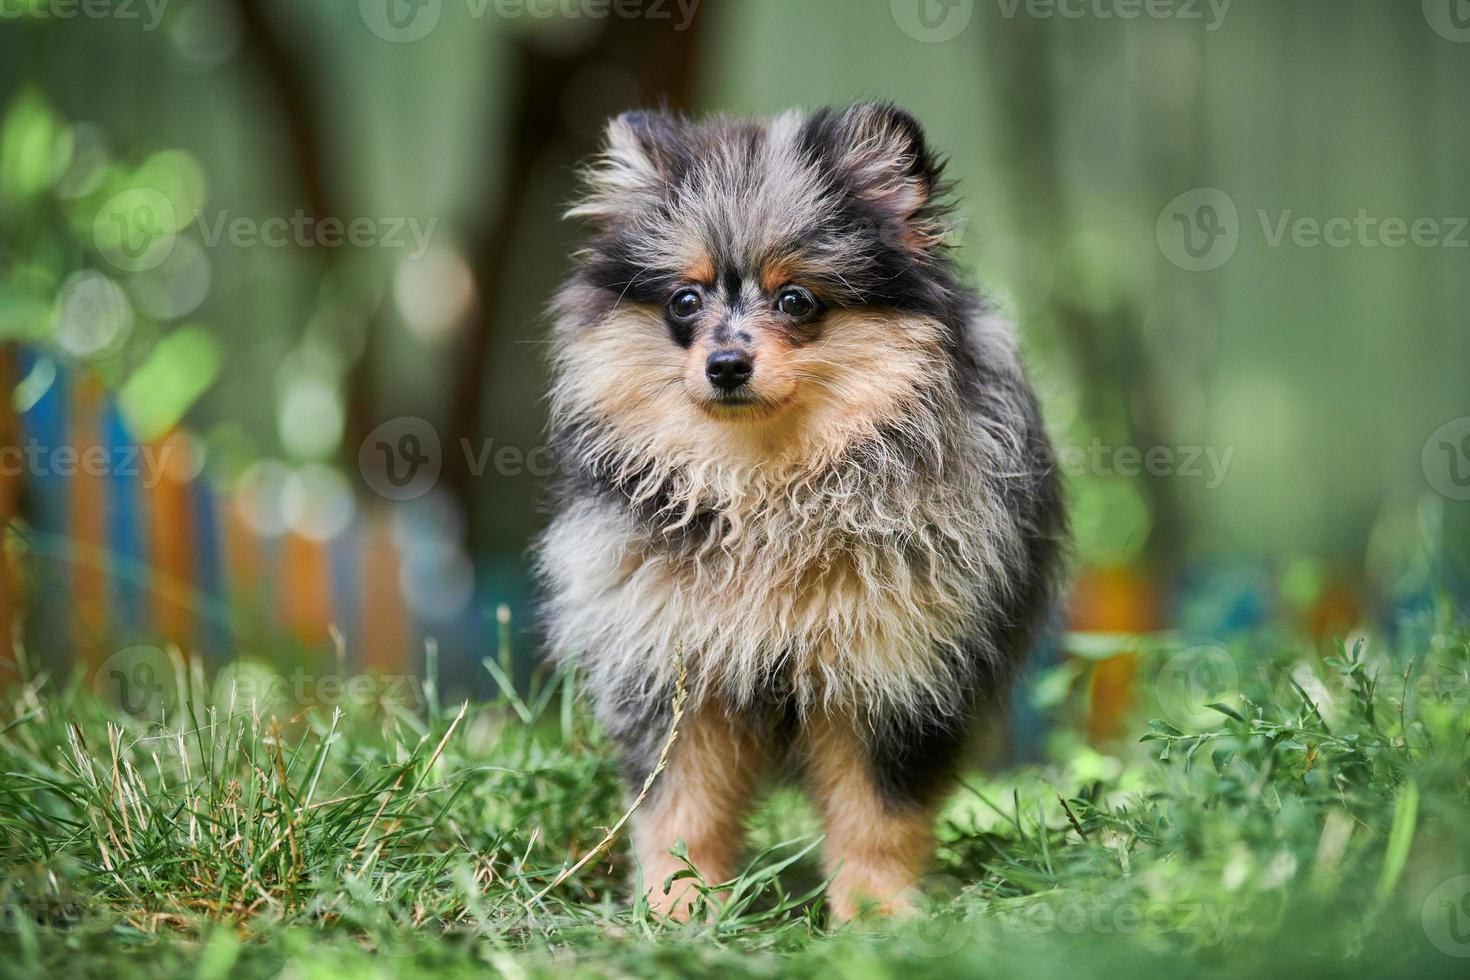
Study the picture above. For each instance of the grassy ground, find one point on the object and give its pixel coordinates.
(1313, 821)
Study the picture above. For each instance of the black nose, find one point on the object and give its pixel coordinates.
(728, 369)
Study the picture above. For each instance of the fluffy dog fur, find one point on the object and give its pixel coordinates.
(853, 552)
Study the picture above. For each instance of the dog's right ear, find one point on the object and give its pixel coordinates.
(641, 155)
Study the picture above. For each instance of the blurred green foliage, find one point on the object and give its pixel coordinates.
(1317, 372)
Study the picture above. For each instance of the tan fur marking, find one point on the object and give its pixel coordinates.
(874, 851)
(777, 273)
(702, 270)
(711, 777)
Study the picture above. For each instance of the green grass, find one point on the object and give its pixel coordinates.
(1313, 821)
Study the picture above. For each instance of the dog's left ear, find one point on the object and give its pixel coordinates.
(885, 159)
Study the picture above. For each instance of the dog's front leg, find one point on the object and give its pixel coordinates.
(878, 841)
(701, 798)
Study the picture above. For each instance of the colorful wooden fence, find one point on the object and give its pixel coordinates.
(114, 542)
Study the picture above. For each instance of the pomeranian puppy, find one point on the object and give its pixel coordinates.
(801, 461)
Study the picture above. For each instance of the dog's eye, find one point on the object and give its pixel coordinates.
(796, 303)
(686, 303)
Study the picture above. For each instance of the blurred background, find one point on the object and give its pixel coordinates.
(273, 278)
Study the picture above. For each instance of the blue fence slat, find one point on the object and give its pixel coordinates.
(127, 591)
(47, 503)
(344, 559)
(212, 627)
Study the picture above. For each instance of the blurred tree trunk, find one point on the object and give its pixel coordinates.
(663, 61)
(1105, 345)
(290, 95)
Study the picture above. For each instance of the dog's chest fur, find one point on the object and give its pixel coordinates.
(853, 581)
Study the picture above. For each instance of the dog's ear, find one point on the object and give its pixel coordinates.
(883, 156)
(641, 154)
